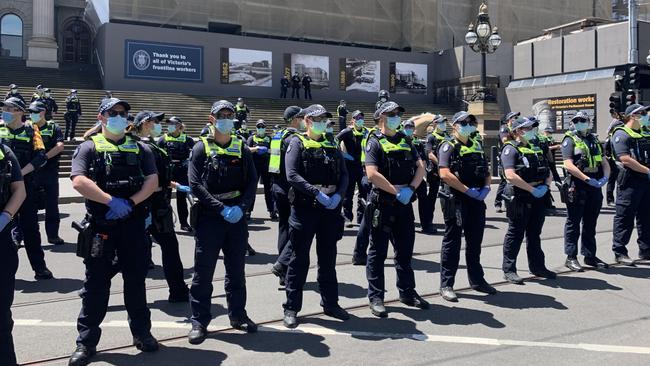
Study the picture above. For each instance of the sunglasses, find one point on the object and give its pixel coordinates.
(394, 114)
(466, 122)
(112, 113)
(223, 115)
(358, 117)
(319, 119)
(579, 120)
(10, 109)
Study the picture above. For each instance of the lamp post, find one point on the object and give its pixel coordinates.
(483, 39)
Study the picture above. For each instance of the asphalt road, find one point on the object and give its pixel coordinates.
(595, 317)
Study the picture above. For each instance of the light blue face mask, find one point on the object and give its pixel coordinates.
(35, 117)
(318, 127)
(171, 128)
(329, 130)
(116, 125)
(157, 130)
(530, 135)
(8, 117)
(581, 126)
(359, 123)
(224, 126)
(261, 131)
(442, 126)
(408, 132)
(302, 125)
(645, 121)
(466, 130)
(392, 123)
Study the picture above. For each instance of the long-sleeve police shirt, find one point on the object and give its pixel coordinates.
(293, 166)
(196, 170)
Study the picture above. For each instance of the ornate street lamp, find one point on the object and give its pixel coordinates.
(483, 39)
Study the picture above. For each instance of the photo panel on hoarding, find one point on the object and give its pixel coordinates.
(317, 67)
(359, 75)
(246, 67)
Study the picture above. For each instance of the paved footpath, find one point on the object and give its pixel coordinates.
(595, 317)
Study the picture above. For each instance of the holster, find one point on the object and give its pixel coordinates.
(84, 238)
(567, 194)
(91, 242)
(301, 200)
(516, 209)
(378, 208)
(194, 214)
(451, 206)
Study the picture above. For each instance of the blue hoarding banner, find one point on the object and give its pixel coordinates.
(163, 61)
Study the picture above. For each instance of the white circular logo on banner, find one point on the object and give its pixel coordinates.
(141, 60)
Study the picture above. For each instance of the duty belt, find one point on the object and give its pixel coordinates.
(325, 189)
(227, 195)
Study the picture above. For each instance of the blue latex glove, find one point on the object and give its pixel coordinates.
(4, 220)
(483, 192)
(120, 207)
(261, 150)
(539, 191)
(474, 193)
(594, 183)
(404, 195)
(148, 221)
(347, 156)
(603, 181)
(335, 200)
(226, 210)
(235, 214)
(182, 188)
(323, 199)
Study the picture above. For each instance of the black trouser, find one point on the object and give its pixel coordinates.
(162, 229)
(213, 235)
(295, 93)
(427, 193)
(8, 268)
(48, 179)
(472, 225)
(28, 226)
(341, 123)
(525, 218)
(502, 185)
(283, 92)
(583, 207)
(128, 240)
(395, 221)
(355, 174)
(327, 226)
(180, 177)
(632, 202)
(611, 183)
(553, 168)
(71, 119)
(307, 92)
(363, 235)
(263, 175)
(284, 211)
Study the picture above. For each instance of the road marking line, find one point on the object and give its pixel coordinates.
(353, 333)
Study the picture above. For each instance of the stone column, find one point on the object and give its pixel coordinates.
(42, 47)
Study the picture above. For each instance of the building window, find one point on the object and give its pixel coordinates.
(11, 36)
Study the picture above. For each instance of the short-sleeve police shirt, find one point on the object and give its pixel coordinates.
(375, 154)
(83, 159)
(509, 156)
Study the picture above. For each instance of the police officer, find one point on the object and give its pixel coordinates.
(259, 144)
(241, 114)
(147, 126)
(50, 103)
(342, 112)
(584, 161)
(295, 86)
(611, 159)
(222, 177)
(382, 97)
(395, 170)
(528, 181)
(465, 172)
(318, 178)
(279, 146)
(38, 94)
(116, 174)
(350, 143)
(24, 139)
(425, 209)
(72, 114)
(12, 195)
(434, 139)
(107, 95)
(631, 146)
(47, 177)
(505, 135)
(329, 131)
(306, 84)
(547, 133)
(544, 143)
(178, 146)
(13, 93)
(284, 86)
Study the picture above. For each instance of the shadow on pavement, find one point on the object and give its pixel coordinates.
(179, 310)
(577, 283)
(380, 329)
(258, 228)
(157, 273)
(285, 342)
(166, 356)
(261, 258)
(516, 300)
(58, 285)
(68, 247)
(635, 272)
(451, 315)
(348, 290)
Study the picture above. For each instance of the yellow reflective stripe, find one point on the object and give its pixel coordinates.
(629, 131)
(234, 149)
(312, 144)
(474, 149)
(103, 145)
(388, 146)
(2, 154)
(580, 144)
(181, 138)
